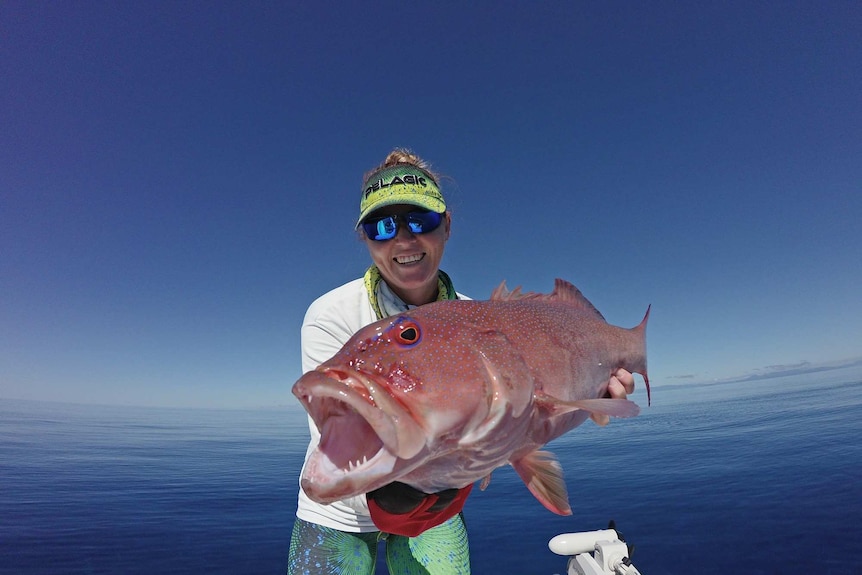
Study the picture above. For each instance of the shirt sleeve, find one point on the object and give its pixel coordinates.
(324, 331)
(320, 340)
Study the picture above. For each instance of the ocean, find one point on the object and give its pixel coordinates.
(755, 477)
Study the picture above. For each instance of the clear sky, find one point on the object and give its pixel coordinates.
(179, 180)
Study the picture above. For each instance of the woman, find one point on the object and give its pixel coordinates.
(405, 225)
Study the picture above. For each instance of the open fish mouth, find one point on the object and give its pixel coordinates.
(365, 434)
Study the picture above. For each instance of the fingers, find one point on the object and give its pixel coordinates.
(620, 384)
(600, 419)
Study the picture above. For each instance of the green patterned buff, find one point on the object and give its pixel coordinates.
(445, 289)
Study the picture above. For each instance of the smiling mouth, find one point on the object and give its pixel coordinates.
(404, 260)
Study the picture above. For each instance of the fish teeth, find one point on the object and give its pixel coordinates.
(353, 465)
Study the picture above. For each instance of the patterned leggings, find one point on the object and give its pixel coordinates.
(318, 550)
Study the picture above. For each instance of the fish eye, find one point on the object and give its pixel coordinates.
(408, 333)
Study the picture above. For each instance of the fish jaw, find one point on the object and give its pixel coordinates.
(367, 438)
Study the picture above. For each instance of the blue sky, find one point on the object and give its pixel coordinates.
(178, 181)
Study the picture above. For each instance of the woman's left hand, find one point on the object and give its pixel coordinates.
(621, 384)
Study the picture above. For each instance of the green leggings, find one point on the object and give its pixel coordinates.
(315, 549)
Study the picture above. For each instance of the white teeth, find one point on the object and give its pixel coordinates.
(355, 464)
(409, 259)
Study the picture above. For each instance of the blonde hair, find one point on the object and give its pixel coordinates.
(403, 156)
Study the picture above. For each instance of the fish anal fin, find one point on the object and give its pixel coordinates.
(543, 475)
(603, 406)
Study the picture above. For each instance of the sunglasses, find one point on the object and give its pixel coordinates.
(386, 228)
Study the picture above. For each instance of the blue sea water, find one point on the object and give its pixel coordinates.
(755, 477)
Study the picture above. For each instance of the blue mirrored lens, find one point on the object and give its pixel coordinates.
(386, 228)
(382, 229)
(423, 222)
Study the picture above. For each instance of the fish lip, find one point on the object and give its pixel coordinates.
(331, 474)
(367, 395)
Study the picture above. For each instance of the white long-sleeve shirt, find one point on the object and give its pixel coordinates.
(329, 322)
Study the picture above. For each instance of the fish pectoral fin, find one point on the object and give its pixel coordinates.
(603, 406)
(543, 475)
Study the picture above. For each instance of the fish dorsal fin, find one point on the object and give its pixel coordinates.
(543, 475)
(563, 292)
(502, 293)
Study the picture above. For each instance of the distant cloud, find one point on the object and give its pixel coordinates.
(801, 367)
(766, 372)
(785, 366)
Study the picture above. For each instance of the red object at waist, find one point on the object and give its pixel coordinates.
(420, 519)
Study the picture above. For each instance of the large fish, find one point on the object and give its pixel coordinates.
(442, 395)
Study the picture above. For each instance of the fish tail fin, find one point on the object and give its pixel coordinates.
(640, 366)
(543, 475)
(646, 382)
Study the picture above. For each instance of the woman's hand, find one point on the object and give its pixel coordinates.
(621, 384)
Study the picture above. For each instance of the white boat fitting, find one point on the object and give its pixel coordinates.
(601, 552)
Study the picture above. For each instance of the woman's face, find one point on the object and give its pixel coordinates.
(409, 262)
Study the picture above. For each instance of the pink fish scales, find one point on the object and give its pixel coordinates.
(441, 396)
